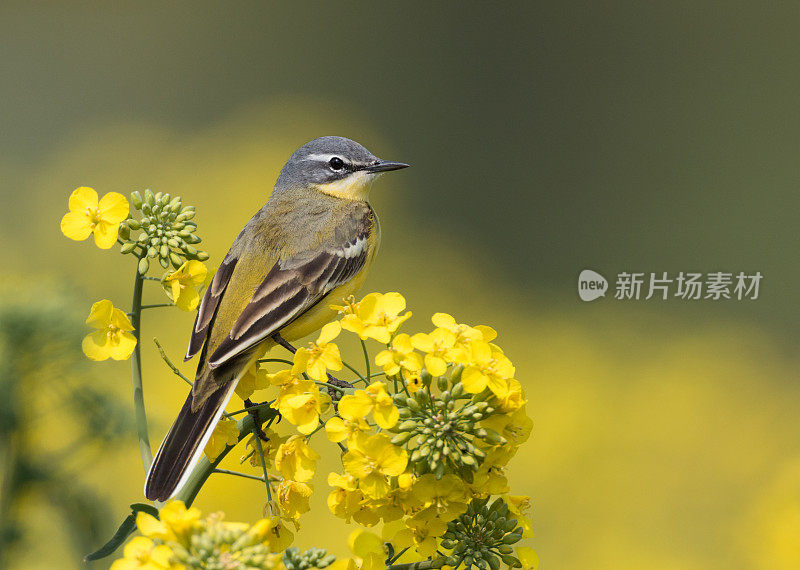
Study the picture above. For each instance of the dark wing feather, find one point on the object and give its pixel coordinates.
(209, 304)
(290, 288)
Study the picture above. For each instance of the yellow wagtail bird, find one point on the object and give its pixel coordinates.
(312, 243)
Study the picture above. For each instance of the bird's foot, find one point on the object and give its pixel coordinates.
(248, 403)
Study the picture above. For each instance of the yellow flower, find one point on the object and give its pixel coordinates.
(302, 405)
(174, 523)
(368, 548)
(399, 356)
(513, 400)
(363, 542)
(254, 379)
(269, 448)
(464, 333)
(181, 285)
(345, 499)
(487, 368)
(293, 498)
(321, 356)
(339, 429)
(374, 398)
(424, 533)
(438, 347)
(372, 461)
(515, 427)
(296, 460)
(377, 316)
(87, 216)
(490, 479)
(271, 532)
(518, 505)
(445, 498)
(143, 553)
(225, 433)
(528, 557)
(112, 337)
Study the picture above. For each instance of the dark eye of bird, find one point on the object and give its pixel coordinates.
(336, 163)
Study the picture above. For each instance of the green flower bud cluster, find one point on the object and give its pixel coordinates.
(216, 545)
(293, 559)
(167, 231)
(482, 536)
(440, 432)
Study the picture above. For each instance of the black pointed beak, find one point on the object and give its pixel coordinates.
(384, 166)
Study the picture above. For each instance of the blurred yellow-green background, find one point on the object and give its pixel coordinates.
(545, 138)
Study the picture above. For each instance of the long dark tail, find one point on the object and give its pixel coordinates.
(183, 446)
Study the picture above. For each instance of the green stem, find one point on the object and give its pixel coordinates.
(172, 366)
(289, 362)
(257, 440)
(357, 373)
(366, 356)
(423, 565)
(157, 305)
(331, 386)
(136, 375)
(239, 474)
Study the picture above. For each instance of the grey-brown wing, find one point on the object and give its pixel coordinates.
(290, 288)
(209, 304)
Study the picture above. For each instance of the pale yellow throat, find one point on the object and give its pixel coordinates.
(353, 187)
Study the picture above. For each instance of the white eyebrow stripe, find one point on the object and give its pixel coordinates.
(321, 157)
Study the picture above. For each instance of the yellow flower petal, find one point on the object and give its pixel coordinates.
(100, 314)
(76, 225)
(443, 320)
(435, 365)
(188, 299)
(393, 303)
(96, 345)
(105, 234)
(528, 557)
(123, 347)
(354, 406)
(474, 380)
(120, 320)
(82, 198)
(329, 332)
(113, 207)
(423, 342)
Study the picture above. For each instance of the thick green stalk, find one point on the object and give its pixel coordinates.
(136, 375)
(423, 565)
(206, 468)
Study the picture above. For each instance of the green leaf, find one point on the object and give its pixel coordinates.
(123, 532)
(145, 508)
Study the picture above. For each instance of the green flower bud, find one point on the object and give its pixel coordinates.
(202, 256)
(133, 224)
(149, 199)
(144, 265)
(136, 199)
(127, 247)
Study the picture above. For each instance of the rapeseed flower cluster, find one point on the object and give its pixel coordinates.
(167, 233)
(181, 538)
(421, 443)
(426, 428)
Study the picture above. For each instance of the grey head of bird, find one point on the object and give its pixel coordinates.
(336, 166)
